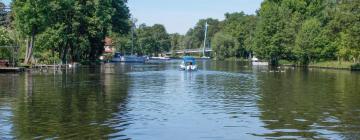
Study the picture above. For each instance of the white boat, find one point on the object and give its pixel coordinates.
(160, 58)
(256, 62)
(205, 57)
(188, 64)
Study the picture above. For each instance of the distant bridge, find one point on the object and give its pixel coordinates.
(186, 51)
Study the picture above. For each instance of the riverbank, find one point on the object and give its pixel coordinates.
(342, 65)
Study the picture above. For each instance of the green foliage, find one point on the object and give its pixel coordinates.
(242, 28)
(224, 45)
(68, 29)
(30, 16)
(176, 41)
(195, 36)
(308, 31)
(5, 38)
(307, 42)
(296, 31)
(153, 40)
(355, 66)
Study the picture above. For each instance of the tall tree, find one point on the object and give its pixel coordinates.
(224, 45)
(153, 40)
(242, 27)
(30, 19)
(75, 30)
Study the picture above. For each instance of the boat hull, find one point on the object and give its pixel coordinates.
(188, 68)
(129, 59)
(133, 59)
(260, 63)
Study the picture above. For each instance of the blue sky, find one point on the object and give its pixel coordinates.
(5, 1)
(180, 15)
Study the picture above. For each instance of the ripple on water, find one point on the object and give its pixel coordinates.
(172, 97)
(5, 122)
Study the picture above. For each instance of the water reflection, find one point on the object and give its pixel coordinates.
(316, 104)
(224, 100)
(8, 91)
(66, 106)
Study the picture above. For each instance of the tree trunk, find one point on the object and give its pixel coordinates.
(29, 49)
(64, 54)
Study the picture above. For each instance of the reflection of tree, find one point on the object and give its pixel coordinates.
(309, 104)
(8, 90)
(72, 106)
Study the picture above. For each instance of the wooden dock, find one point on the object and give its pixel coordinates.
(11, 69)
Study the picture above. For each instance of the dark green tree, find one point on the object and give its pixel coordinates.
(30, 19)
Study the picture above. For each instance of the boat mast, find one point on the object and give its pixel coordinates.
(205, 39)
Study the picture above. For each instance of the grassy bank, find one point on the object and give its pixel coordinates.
(333, 64)
(327, 64)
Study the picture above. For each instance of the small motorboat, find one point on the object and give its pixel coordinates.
(188, 64)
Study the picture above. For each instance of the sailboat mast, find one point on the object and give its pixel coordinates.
(205, 39)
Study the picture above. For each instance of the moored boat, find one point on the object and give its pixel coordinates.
(133, 59)
(128, 58)
(256, 62)
(116, 57)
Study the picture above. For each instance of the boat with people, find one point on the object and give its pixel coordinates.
(188, 64)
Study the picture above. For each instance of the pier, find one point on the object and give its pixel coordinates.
(11, 69)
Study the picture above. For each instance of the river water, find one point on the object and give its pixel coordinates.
(221, 101)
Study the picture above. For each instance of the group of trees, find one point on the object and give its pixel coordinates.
(299, 31)
(66, 30)
(306, 31)
(144, 40)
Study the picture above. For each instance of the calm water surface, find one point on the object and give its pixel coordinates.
(222, 101)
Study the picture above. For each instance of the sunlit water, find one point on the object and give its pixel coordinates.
(221, 101)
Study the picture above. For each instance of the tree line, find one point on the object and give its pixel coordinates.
(298, 31)
(143, 40)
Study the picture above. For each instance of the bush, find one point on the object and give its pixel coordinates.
(355, 66)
